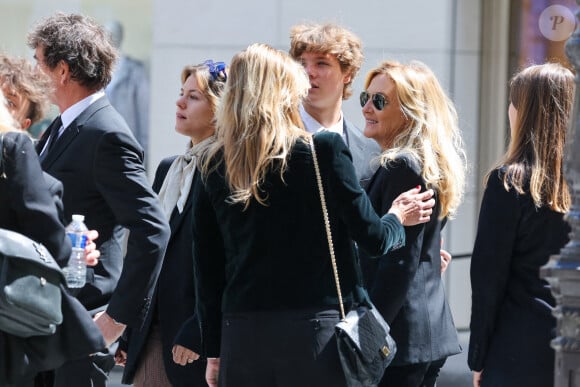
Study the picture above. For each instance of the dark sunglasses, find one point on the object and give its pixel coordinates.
(379, 100)
(216, 69)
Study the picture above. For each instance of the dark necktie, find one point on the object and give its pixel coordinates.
(52, 136)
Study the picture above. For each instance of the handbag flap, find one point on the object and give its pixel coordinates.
(16, 245)
(369, 334)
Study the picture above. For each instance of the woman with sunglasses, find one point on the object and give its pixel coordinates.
(159, 352)
(409, 115)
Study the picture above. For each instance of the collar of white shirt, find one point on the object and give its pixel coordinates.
(70, 114)
(313, 126)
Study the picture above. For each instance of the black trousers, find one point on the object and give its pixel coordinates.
(412, 375)
(280, 349)
(90, 371)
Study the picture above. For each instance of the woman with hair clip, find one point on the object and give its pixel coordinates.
(414, 122)
(267, 299)
(159, 352)
(521, 223)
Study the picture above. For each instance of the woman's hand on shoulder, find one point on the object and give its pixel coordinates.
(413, 207)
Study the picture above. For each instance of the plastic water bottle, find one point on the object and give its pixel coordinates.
(76, 270)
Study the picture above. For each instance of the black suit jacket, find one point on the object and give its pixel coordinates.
(405, 284)
(511, 313)
(29, 208)
(100, 165)
(173, 301)
(275, 256)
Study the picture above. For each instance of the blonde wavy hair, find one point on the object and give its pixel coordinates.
(257, 120)
(431, 132)
(543, 96)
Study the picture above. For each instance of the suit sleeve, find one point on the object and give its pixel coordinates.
(121, 179)
(490, 265)
(209, 269)
(36, 214)
(396, 270)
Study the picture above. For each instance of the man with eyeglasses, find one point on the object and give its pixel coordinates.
(91, 149)
(332, 56)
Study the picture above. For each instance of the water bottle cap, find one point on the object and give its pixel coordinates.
(78, 218)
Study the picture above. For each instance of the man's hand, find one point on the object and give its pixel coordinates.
(120, 357)
(91, 253)
(110, 329)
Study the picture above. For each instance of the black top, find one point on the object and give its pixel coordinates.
(173, 302)
(405, 285)
(276, 256)
(29, 206)
(511, 305)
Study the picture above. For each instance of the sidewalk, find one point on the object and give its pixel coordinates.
(454, 374)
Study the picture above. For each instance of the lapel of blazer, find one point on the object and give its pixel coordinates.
(71, 132)
(176, 218)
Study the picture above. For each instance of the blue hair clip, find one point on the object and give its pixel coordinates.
(215, 69)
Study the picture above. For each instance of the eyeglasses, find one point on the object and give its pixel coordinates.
(379, 100)
(216, 69)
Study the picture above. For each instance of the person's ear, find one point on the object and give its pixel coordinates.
(63, 71)
(25, 123)
(346, 78)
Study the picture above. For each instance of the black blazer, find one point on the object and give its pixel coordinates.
(173, 301)
(275, 257)
(405, 284)
(29, 208)
(511, 314)
(101, 167)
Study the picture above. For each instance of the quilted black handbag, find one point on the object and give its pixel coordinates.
(365, 347)
(30, 294)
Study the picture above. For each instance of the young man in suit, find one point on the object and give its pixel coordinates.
(332, 56)
(90, 148)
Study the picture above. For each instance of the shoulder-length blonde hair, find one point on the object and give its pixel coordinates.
(431, 132)
(258, 119)
(543, 97)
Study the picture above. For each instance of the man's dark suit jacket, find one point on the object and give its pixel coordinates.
(100, 165)
(29, 208)
(511, 317)
(173, 301)
(405, 284)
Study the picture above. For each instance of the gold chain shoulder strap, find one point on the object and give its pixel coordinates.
(327, 225)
